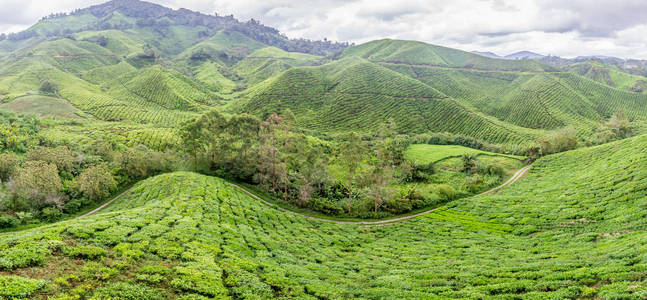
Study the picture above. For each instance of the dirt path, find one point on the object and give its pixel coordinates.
(105, 204)
(510, 181)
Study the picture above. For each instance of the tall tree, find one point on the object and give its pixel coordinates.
(247, 129)
(96, 183)
(9, 163)
(37, 182)
(191, 134)
(351, 156)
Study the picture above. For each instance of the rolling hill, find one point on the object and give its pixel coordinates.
(562, 232)
(129, 60)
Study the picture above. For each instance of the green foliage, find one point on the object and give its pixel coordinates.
(44, 106)
(96, 183)
(122, 290)
(13, 287)
(37, 183)
(446, 192)
(7, 221)
(48, 86)
(89, 252)
(418, 53)
(9, 163)
(24, 254)
(469, 162)
(616, 128)
(51, 214)
(60, 156)
(562, 140)
(425, 154)
(489, 246)
(18, 133)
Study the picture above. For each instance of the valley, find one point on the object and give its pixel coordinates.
(157, 153)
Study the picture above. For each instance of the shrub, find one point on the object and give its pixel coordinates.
(559, 141)
(48, 86)
(474, 183)
(199, 279)
(19, 287)
(7, 221)
(60, 156)
(469, 162)
(24, 217)
(50, 214)
(23, 255)
(9, 162)
(445, 192)
(494, 170)
(91, 252)
(122, 290)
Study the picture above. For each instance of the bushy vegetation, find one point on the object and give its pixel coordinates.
(129, 90)
(357, 176)
(547, 236)
(47, 183)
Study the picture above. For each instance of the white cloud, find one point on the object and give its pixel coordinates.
(566, 28)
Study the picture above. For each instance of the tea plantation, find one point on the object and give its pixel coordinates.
(167, 107)
(562, 232)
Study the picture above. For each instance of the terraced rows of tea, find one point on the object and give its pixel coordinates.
(357, 95)
(572, 228)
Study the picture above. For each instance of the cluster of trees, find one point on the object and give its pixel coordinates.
(616, 128)
(354, 177)
(559, 141)
(49, 87)
(46, 183)
(18, 133)
(50, 181)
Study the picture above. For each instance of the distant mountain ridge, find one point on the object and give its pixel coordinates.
(516, 55)
(119, 15)
(524, 55)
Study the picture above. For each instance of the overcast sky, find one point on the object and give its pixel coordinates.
(560, 27)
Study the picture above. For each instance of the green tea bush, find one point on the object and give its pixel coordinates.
(122, 290)
(90, 252)
(13, 287)
(23, 255)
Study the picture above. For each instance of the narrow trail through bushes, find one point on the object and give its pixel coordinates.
(510, 181)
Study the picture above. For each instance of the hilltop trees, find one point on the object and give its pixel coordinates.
(48, 86)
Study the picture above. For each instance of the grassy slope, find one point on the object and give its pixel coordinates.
(354, 94)
(43, 106)
(424, 154)
(572, 228)
(267, 62)
(609, 75)
(419, 53)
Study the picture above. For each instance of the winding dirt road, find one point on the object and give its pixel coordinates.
(510, 181)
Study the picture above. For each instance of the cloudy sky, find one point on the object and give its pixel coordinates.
(565, 28)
